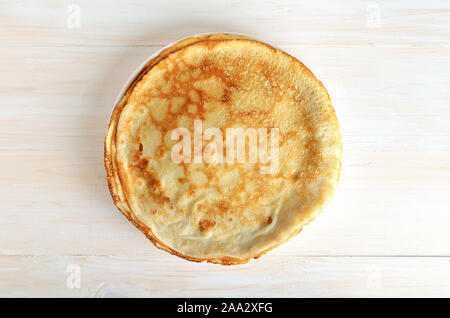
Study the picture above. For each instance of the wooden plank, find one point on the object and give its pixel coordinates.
(317, 23)
(384, 89)
(128, 276)
(386, 204)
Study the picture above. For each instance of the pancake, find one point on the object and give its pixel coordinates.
(194, 195)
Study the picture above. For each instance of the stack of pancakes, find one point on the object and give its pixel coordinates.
(222, 212)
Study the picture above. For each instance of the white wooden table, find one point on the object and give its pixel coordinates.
(386, 65)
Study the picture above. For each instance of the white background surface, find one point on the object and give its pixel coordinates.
(386, 65)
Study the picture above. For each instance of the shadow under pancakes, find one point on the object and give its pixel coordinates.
(99, 98)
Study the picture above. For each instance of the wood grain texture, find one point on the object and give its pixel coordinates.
(306, 23)
(291, 276)
(386, 67)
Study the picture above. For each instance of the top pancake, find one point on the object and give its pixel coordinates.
(223, 213)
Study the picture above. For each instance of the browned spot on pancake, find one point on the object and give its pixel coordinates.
(143, 164)
(226, 98)
(252, 113)
(156, 191)
(269, 220)
(191, 190)
(223, 206)
(205, 225)
(141, 147)
(211, 44)
(153, 183)
(182, 180)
